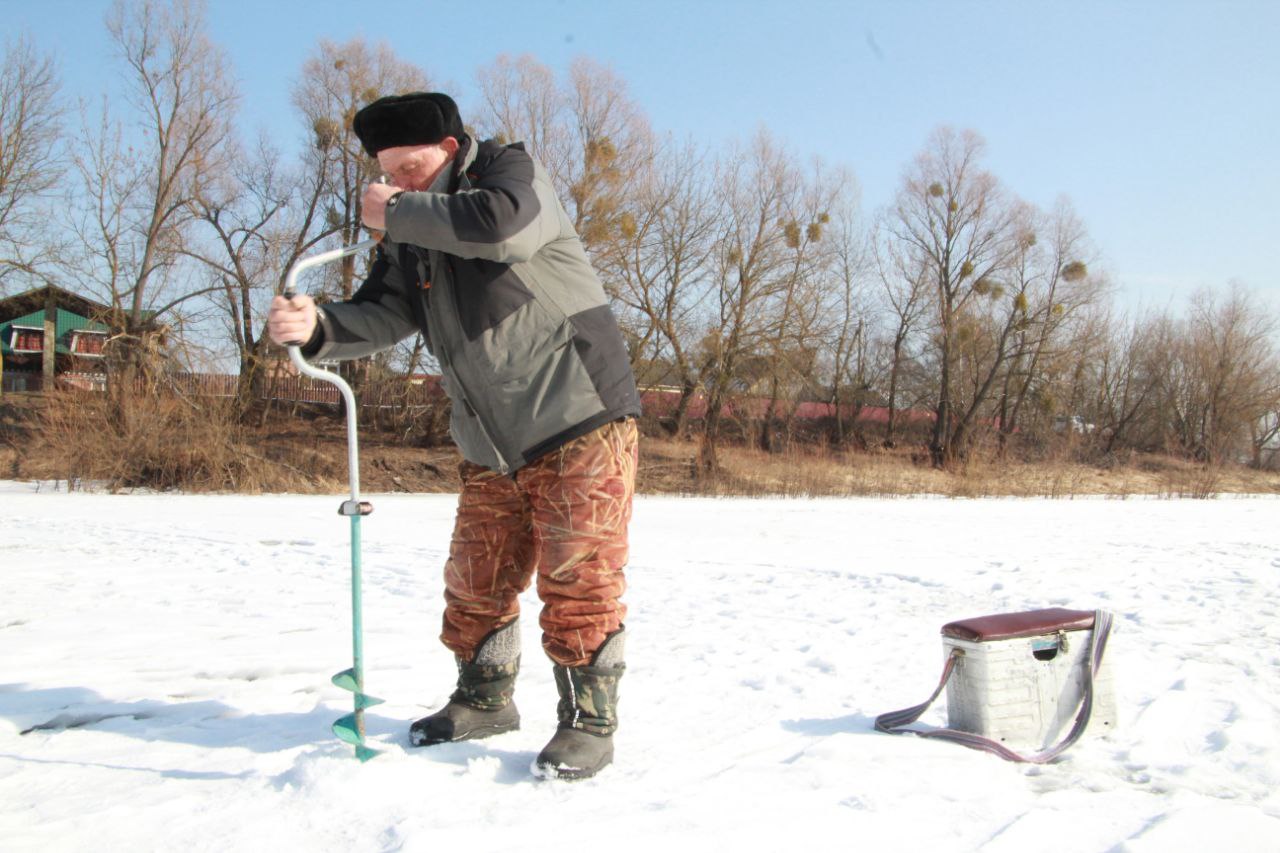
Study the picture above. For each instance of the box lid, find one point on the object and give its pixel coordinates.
(1011, 626)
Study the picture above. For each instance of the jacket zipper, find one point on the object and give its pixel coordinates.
(503, 466)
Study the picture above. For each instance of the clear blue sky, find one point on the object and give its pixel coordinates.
(1160, 120)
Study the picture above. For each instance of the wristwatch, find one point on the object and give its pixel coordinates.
(394, 200)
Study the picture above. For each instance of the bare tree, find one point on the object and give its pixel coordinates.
(1229, 370)
(614, 148)
(749, 272)
(658, 271)
(955, 217)
(140, 190)
(1129, 367)
(906, 288)
(335, 83)
(591, 136)
(1050, 275)
(1264, 438)
(30, 162)
(259, 220)
(987, 342)
(849, 311)
(803, 316)
(523, 103)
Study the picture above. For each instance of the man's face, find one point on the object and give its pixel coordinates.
(415, 167)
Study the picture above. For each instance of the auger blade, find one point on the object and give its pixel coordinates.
(346, 680)
(364, 700)
(364, 753)
(349, 730)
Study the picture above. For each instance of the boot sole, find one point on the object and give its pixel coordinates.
(568, 774)
(478, 733)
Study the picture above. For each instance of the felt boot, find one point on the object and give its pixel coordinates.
(482, 704)
(588, 713)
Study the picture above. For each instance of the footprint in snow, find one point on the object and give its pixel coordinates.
(62, 722)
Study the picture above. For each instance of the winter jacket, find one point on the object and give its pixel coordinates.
(488, 268)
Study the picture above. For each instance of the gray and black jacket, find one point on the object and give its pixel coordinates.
(488, 267)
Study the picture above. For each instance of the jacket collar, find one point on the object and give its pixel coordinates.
(461, 162)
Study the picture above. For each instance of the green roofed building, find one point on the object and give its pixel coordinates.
(49, 333)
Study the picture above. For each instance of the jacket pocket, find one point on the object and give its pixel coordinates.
(550, 394)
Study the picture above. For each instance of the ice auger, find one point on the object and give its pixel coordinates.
(350, 727)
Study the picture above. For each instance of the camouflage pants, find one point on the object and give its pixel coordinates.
(564, 518)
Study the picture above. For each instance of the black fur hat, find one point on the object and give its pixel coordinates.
(418, 118)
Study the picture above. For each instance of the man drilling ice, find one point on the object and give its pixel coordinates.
(481, 258)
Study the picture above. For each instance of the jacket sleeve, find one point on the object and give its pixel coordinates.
(506, 216)
(377, 317)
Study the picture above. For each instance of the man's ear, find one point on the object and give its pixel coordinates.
(450, 145)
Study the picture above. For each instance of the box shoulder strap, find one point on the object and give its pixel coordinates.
(896, 722)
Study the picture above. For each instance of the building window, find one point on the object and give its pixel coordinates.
(27, 339)
(88, 344)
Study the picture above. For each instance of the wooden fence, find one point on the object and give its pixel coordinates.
(424, 391)
(419, 391)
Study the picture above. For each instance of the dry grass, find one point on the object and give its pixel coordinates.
(666, 467)
(168, 441)
(162, 441)
(198, 445)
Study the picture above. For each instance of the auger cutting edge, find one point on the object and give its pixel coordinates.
(350, 727)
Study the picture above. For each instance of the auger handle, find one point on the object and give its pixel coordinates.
(349, 728)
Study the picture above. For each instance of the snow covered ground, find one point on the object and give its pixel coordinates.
(165, 663)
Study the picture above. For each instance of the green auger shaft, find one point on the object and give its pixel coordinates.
(357, 621)
(351, 727)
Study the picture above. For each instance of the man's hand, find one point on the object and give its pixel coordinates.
(290, 322)
(374, 205)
